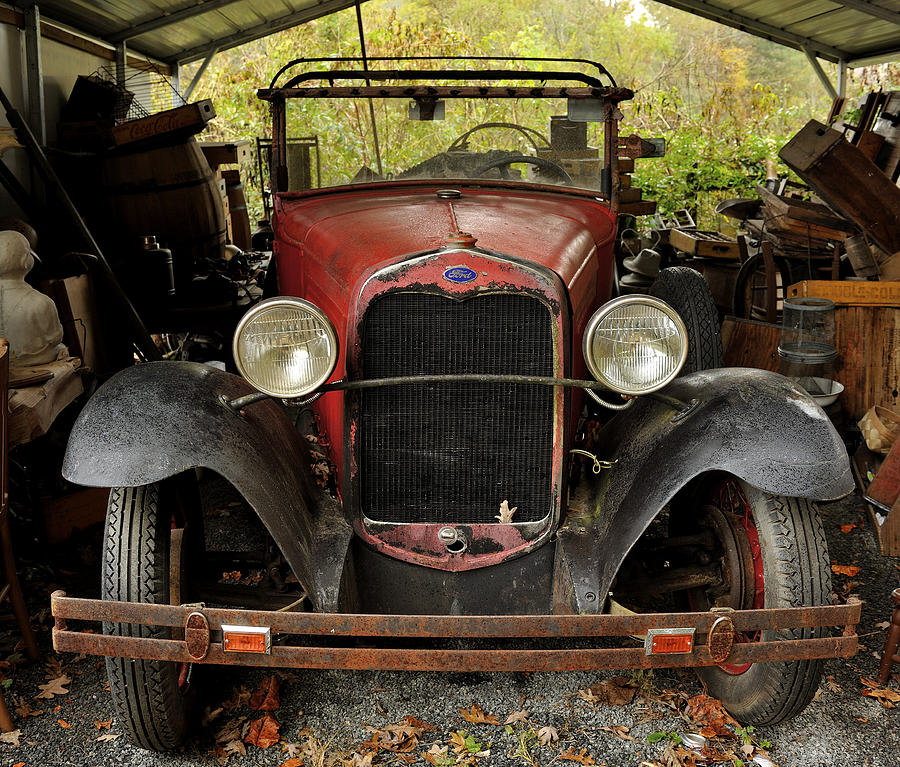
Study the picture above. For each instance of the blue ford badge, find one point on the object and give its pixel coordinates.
(460, 274)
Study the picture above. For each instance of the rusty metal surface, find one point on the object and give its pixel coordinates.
(418, 659)
(612, 95)
(720, 640)
(450, 626)
(196, 636)
(753, 424)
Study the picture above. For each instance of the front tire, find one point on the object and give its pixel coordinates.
(785, 541)
(687, 293)
(153, 700)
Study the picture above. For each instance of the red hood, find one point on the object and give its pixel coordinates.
(345, 233)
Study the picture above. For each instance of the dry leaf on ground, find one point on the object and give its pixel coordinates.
(63, 723)
(55, 686)
(887, 698)
(883, 625)
(547, 734)
(240, 697)
(291, 749)
(108, 736)
(266, 696)
(831, 685)
(612, 692)
(263, 732)
(24, 709)
(847, 528)
(848, 570)
(619, 730)
(292, 762)
(517, 716)
(476, 715)
(12, 738)
(419, 724)
(582, 757)
(711, 716)
(102, 725)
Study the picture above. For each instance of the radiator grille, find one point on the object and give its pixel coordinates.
(451, 453)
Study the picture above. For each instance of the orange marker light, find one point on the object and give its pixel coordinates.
(669, 641)
(246, 639)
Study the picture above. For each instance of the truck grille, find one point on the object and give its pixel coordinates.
(453, 452)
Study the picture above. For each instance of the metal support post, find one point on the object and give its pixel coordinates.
(820, 73)
(842, 78)
(196, 79)
(121, 63)
(36, 115)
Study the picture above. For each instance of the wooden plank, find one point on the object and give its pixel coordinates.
(802, 210)
(750, 344)
(33, 409)
(849, 292)
(847, 180)
(705, 244)
(887, 526)
(180, 122)
(225, 152)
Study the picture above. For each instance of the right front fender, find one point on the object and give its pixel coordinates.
(153, 421)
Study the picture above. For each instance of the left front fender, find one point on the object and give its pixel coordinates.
(753, 424)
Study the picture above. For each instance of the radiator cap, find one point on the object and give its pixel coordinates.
(460, 240)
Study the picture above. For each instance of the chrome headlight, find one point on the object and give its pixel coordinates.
(285, 347)
(635, 344)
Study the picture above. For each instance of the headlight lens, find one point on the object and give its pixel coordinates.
(635, 344)
(285, 347)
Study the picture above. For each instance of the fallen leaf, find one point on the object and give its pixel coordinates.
(12, 738)
(291, 749)
(582, 757)
(231, 576)
(858, 719)
(831, 685)
(849, 586)
(55, 686)
(613, 692)
(848, 570)
(548, 734)
(419, 724)
(294, 762)
(883, 625)
(710, 715)
(102, 725)
(517, 716)
(234, 747)
(24, 709)
(233, 730)
(458, 741)
(506, 513)
(263, 732)
(476, 715)
(887, 698)
(108, 736)
(19, 764)
(847, 528)
(266, 696)
(619, 730)
(63, 723)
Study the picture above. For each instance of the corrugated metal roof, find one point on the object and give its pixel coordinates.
(180, 31)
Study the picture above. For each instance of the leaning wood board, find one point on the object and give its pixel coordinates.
(848, 180)
(750, 344)
(850, 292)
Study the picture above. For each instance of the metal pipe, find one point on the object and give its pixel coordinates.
(365, 63)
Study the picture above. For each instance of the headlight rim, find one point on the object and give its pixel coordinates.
(607, 309)
(292, 302)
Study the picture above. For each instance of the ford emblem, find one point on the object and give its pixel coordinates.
(460, 274)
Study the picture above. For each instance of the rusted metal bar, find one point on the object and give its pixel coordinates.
(614, 95)
(422, 659)
(450, 626)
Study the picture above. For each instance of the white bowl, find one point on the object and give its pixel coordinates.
(830, 389)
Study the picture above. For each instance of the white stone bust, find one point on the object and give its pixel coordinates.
(28, 318)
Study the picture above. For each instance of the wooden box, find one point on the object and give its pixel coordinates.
(704, 244)
(173, 124)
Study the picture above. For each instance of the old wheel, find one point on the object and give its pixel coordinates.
(773, 554)
(145, 544)
(687, 293)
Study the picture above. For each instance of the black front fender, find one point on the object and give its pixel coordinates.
(753, 424)
(154, 421)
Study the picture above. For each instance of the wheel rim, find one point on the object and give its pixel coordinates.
(729, 515)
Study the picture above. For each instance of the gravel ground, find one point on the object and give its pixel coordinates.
(839, 727)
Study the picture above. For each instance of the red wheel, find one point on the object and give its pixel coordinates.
(772, 553)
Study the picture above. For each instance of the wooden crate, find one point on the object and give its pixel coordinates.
(850, 292)
(704, 244)
(750, 344)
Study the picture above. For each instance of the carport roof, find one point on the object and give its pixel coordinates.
(181, 31)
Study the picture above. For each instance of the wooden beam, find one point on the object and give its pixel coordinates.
(872, 9)
(35, 74)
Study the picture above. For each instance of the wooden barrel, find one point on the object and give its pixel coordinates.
(237, 209)
(170, 192)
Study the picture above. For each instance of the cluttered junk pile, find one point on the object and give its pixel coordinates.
(810, 286)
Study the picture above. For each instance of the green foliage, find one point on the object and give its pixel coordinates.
(725, 101)
(657, 737)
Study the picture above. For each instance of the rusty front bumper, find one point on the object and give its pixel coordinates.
(402, 642)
